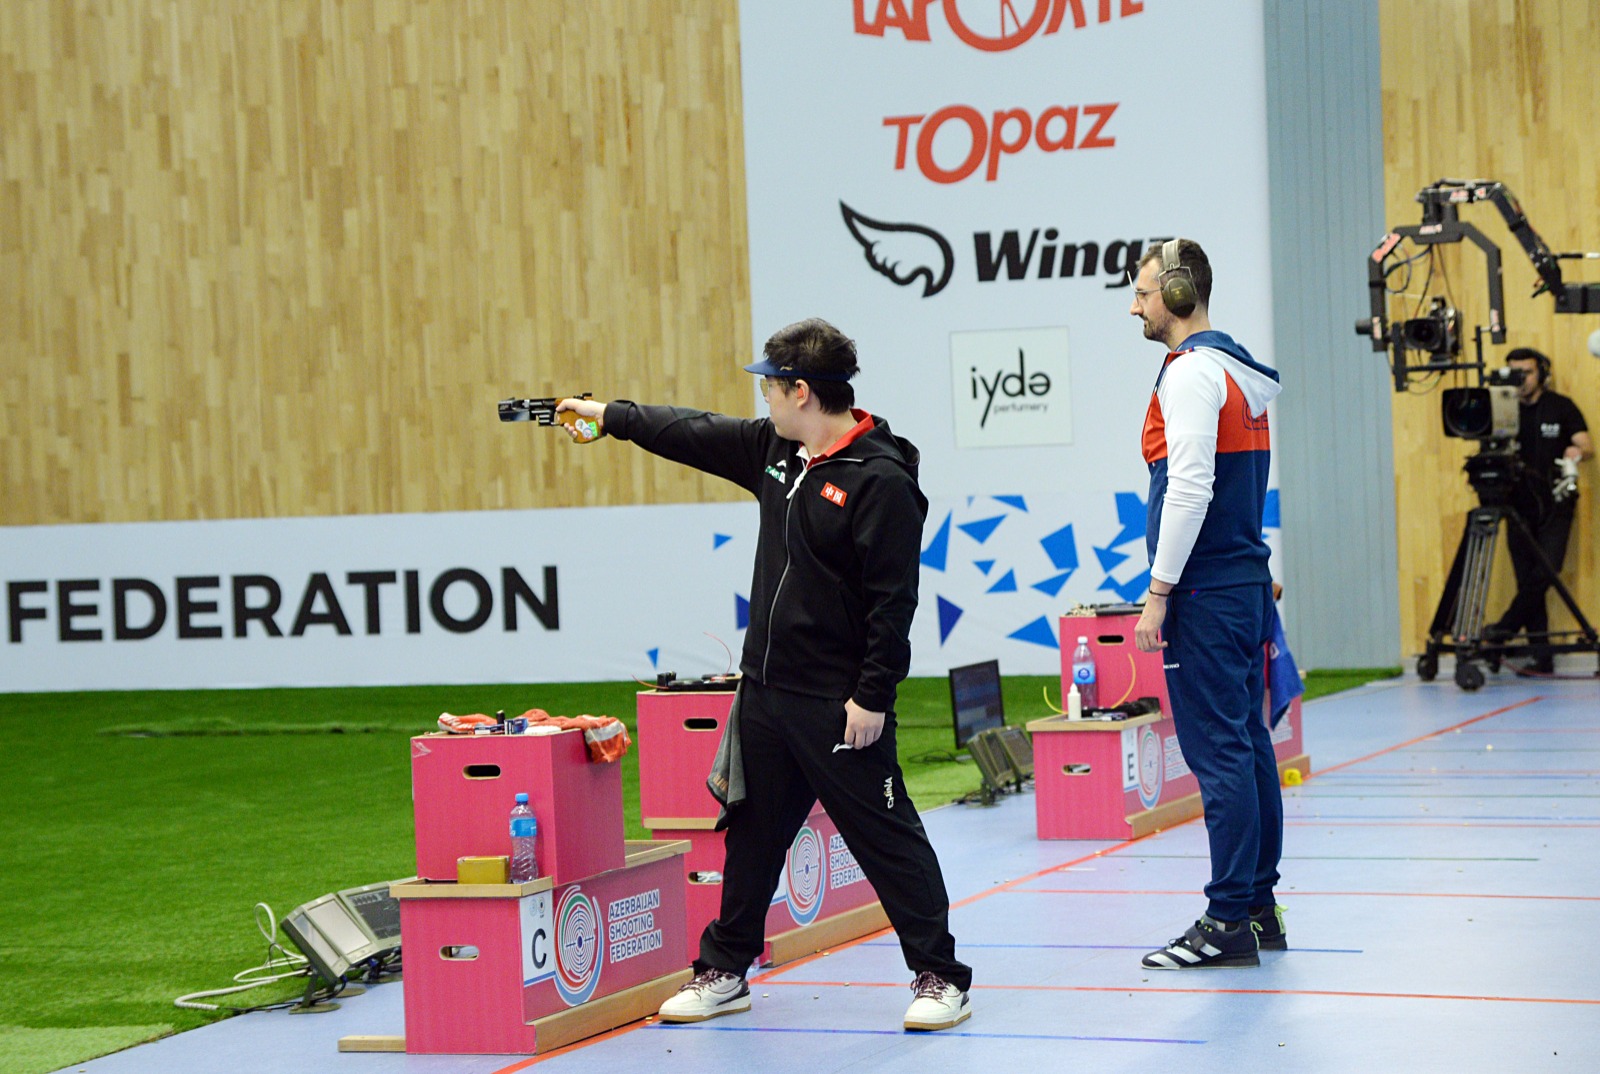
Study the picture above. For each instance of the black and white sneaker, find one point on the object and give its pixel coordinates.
(710, 995)
(937, 1004)
(1268, 923)
(1208, 943)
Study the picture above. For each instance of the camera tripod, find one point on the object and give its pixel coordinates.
(1458, 622)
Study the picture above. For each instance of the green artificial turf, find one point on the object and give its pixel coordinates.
(139, 830)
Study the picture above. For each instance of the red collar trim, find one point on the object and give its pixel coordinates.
(862, 427)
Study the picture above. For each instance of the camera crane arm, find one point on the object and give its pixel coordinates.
(1440, 202)
(1441, 223)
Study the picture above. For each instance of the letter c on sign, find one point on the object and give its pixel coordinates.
(539, 957)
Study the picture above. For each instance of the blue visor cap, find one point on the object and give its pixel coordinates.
(767, 368)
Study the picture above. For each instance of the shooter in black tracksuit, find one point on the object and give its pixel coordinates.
(832, 598)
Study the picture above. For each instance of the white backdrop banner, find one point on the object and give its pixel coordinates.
(591, 594)
(571, 595)
(962, 186)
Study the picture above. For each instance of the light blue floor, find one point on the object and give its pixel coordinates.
(1442, 882)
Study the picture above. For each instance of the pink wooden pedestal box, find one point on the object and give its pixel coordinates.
(678, 737)
(1127, 778)
(464, 786)
(485, 961)
(1122, 671)
(821, 880)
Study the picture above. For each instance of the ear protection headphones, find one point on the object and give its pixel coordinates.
(1177, 282)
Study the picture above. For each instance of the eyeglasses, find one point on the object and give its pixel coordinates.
(1141, 292)
(769, 383)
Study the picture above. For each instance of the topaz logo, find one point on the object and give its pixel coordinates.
(903, 252)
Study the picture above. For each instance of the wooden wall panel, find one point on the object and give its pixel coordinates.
(282, 258)
(1498, 89)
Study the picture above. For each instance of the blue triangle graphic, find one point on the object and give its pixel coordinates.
(1062, 548)
(1129, 591)
(984, 565)
(948, 614)
(982, 529)
(1006, 584)
(655, 657)
(718, 540)
(1131, 514)
(1018, 502)
(741, 612)
(1109, 558)
(1271, 516)
(1053, 586)
(938, 550)
(1038, 632)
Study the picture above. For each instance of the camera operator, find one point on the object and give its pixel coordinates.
(1552, 428)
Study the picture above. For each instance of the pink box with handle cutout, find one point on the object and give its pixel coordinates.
(463, 788)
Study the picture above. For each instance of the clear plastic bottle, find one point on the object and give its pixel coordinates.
(524, 830)
(1083, 674)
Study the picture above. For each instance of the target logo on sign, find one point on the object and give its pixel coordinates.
(578, 953)
(806, 875)
(1150, 771)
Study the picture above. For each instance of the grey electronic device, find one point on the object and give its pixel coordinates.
(346, 928)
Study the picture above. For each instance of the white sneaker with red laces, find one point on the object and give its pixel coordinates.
(938, 1004)
(710, 995)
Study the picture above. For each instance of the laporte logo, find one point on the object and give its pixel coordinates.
(987, 25)
(905, 252)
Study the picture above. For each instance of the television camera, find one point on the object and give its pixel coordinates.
(1429, 344)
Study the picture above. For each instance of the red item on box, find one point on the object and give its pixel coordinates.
(605, 736)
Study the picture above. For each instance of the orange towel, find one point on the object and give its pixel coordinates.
(464, 725)
(605, 736)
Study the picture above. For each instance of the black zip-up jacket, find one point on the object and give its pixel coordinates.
(838, 554)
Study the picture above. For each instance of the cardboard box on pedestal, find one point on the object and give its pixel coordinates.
(464, 786)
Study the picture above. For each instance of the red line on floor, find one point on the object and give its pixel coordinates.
(523, 1064)
(1008, 885)
(770, 976)
(1424, 738)
(1302, 894)
(1422, 824)
(1213, 991)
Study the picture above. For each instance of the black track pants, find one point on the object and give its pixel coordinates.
(788, 745)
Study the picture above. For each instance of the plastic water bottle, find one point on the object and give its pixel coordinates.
(524, 829)
(1083, 674)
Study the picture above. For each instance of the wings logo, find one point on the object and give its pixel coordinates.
(903, 252)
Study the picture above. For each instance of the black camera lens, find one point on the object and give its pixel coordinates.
(1467, 413)
(1424, 334)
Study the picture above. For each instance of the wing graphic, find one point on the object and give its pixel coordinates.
(903, 252)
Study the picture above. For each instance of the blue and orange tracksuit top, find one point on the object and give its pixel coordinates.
(1209, 449)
